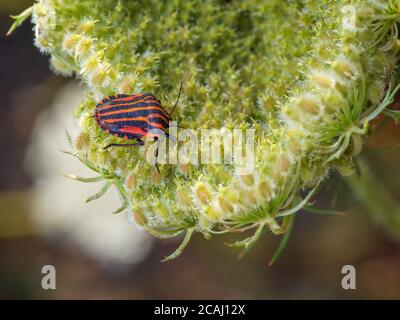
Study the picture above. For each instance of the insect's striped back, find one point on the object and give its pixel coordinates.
(131, 116)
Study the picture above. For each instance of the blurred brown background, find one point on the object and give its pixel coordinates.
(42, 223)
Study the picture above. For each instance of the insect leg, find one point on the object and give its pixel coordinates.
(170, 137)
(137, 144)
(156, 156)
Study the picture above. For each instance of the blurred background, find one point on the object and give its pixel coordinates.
(44, 219)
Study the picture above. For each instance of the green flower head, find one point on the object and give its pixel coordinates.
(303, 78)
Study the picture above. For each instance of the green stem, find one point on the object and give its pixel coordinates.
(19, 19)
(376, 199)
(182, 246)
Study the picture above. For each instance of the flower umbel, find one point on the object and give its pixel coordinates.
(308, 87)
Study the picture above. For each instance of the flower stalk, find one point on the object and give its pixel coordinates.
(373, 196)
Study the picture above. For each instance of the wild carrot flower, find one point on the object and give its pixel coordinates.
(306, 84)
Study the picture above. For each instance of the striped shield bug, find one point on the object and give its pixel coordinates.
(134, 117)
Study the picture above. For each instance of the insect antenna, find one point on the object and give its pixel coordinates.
(177, 100)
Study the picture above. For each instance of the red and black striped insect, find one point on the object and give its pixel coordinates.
(134, 117)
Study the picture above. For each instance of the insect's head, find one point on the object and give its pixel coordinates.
(156, 134)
